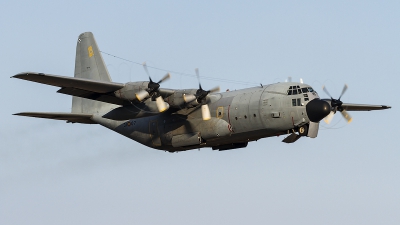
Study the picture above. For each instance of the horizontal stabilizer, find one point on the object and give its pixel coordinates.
(69, 117)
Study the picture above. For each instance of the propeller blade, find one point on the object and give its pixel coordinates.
(301, 80)
(197, 73)
(346, 116)
(145, 69)
(189, 98)
(161, 105)
(313, 130)
(289, 79)
(329, 117)
(205, 112)
(142, 95)
(343, 91)
(215, 89)
(198, 77)
(326, 91)
(166, 77)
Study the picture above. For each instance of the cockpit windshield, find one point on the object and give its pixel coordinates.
(294, 90)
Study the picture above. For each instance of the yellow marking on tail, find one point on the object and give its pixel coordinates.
(90, 51)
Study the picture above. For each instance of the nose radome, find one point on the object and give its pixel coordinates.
(317, 110)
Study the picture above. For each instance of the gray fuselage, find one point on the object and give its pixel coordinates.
(238, 117)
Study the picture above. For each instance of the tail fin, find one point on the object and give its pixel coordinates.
(89, 64)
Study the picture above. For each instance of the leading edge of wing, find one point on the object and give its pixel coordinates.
(363, 107)
(69, 117)
(70, 82)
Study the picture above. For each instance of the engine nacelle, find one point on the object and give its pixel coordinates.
(177, 98)
(129, 91)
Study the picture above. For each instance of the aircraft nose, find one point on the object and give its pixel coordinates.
(317, 110)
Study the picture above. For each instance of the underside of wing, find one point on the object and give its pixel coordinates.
(85, 88)
(363, 107)
(69, 117)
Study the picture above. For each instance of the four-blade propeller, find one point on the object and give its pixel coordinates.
(152, 90)
(201, 97)
(336, 105)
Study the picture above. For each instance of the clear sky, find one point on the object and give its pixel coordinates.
(57, 173)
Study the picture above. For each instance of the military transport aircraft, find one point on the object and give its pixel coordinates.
(178, 120)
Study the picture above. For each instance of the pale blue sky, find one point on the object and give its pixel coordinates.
(57, 173)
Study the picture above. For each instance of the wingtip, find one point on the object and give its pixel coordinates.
(17, 75)
(20, 75)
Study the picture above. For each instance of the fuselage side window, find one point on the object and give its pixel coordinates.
(299, 101)
(293, 102)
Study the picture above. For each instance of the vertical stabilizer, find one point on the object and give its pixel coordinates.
(89, 64)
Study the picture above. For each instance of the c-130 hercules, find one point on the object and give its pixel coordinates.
(178, 120)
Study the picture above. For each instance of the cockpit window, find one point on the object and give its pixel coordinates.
(294, 90)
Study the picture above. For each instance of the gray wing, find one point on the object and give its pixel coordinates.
(363, 107)
(80, 87)
(69, 117)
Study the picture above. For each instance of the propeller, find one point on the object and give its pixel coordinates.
(152, 90)
(201, 97)
(336, 105)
